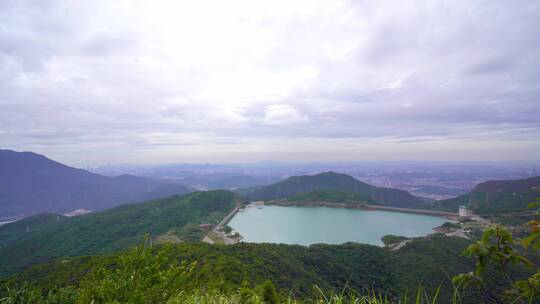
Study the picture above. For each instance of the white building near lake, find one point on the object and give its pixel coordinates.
(464, 212)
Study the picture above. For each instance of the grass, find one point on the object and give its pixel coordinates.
(169, 237)
(215, 237)
(68, 296)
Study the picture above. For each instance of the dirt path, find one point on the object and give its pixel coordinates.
(400, 245)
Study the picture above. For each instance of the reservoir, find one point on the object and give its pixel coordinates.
(310, 225)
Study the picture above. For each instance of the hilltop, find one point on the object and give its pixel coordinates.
(295, 185)
(495, 196)
(31, 183)
(50, 236)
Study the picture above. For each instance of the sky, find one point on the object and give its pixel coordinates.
(148, 82)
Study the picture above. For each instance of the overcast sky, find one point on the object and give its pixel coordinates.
(100, 82)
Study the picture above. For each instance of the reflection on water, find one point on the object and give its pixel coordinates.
(310, 225)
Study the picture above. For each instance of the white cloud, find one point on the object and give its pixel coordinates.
(145, 73)
(283, 114)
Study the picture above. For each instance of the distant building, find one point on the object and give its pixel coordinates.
(464, 212)
(258, 204)
(77, 212)
(205, 226)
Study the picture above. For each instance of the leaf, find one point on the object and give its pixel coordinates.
(534, 205)
(487, 234)
(536, 246)
(524, 260)
(526, 242)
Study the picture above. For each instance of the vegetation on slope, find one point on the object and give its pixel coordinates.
(15, 230)
(114, 229)
(332, 196)
(250, 272)
(495, 197)
(246, 273)
(293, 269)
(390, 239)
(495, 251)
(337, 182)
(142, 276)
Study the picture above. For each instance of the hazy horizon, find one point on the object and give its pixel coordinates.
(145, 82)
(279, 163)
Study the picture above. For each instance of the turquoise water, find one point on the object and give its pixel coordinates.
(310, 225)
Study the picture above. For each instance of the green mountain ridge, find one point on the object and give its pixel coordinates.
(52, 236)
(333, 181)
(500, 196)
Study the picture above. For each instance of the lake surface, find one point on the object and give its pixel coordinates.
(310, 225)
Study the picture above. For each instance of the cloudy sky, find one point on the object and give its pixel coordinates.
(99, 82)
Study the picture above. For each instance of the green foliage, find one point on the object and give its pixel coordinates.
(153, 275)
(141, 276)
(332, 196)
(530, 288)
(497, 249)
(533, 240)
(27, 294)
(111, 230)
(268, 293)
(392, 239)
(450, 225)
(22, 295)
(293, 269)
(495, 197)
(15, 230)
(227, 229)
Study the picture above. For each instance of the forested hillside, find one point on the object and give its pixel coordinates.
(337, 182)
(295, 270)
(47, 236)
(495, 196)
(332, 196)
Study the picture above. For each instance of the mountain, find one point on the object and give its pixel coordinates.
(31, 183)
(495, 196)
(331, 196)
(333, 181)
(43, 237)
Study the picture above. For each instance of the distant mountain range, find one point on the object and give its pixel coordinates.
(240, 181)
(295, 185)
(42, 237)
(31, 183)
(495, 196)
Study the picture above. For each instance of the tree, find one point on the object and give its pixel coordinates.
(497, 249)
(141, 276)
(268, 292)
